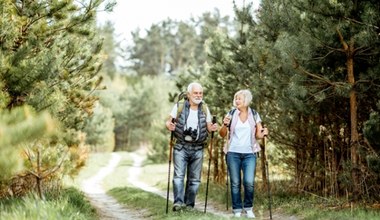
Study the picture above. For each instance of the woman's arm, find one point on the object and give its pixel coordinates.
(226, 122)
(261, 131)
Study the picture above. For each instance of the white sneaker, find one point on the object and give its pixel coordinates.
(237, 214)
(250, 214)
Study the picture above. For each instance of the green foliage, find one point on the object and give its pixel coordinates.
(49, 61)
(18, 127)
(99, 130)
(372, 130)
(109, 49)
(147, 109)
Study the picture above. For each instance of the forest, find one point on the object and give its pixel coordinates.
(70, 88)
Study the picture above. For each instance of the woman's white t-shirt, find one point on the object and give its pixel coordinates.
(241, 138)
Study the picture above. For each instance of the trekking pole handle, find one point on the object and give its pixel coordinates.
(264, 126)
(171, 135)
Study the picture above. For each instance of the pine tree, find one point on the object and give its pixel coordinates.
(49, 62)
(328, 51)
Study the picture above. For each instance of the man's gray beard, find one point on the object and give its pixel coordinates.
(196, 101)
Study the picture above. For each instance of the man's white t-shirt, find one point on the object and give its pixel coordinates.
(192, 120)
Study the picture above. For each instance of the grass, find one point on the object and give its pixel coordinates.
(95, 162)
(119, 177)
(69, 204)
(154, 206)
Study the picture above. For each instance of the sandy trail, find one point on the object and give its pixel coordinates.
(107, 206)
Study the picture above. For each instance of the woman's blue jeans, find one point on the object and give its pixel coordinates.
(238, 162)
(188, 162)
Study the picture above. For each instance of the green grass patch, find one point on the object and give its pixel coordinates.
(310, 207)
(156, 175)
(93, 164)
(119, 177)
(154, 206)
(69, 204)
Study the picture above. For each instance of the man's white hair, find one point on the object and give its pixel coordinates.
(192, 85)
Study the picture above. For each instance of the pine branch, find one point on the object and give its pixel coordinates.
(342, 41)
(48, 172)
(359, 22)
(312, 75)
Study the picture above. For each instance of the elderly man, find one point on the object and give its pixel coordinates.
(190, 130)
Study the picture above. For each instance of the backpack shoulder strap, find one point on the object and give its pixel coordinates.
(204, 108)
(254, 113)
(180, 106)
(231, 112)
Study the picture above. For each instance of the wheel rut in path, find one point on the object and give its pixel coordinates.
(107, 207)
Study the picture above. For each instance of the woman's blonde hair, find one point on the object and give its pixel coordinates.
(247, 97)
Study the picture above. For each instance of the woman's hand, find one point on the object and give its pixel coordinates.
(227, 120)
(265, 131)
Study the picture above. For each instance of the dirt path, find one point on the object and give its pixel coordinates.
(108, 208)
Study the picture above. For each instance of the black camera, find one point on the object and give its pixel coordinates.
(190, 134)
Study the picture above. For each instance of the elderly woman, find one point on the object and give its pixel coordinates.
(244, 126)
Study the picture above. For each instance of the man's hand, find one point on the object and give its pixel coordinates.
(214, 127)
(170, 124)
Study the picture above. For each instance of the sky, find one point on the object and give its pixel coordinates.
(128, 15)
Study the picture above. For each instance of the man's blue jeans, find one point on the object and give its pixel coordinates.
(186, 162)
(238, 162)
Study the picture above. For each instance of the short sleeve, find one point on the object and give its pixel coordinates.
(208, 115)
(173, 113)
(257, 118)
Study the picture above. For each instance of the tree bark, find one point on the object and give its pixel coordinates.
(353, 118)
(349, 49)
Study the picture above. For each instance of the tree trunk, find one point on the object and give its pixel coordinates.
(349, 49)
(353, 118)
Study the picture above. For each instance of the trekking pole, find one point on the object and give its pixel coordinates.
(209, 161)
(170, 163)
(227, 185)
(226, 142)
(267, 170)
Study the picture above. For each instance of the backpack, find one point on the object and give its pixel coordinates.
(232, 111)
(181, 104)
